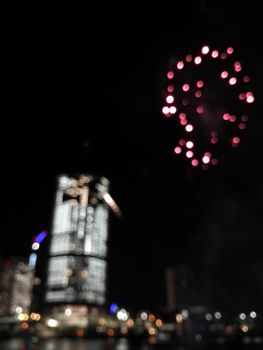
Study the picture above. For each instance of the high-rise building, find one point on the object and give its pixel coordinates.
(16, 283)
(78, 247)
(179, 287)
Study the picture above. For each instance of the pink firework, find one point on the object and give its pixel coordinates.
(208, 97)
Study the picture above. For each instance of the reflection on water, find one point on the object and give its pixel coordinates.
(84, 344)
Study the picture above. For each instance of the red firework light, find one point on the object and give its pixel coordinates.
(208, 95)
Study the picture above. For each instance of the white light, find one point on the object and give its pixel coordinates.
(68, 312)
(35, 246)
(208, 317)
(21, 317)
(253, 314)
(111, 203)
(144, 316)
(185, 314)
(32, 260)
(242, 316)
(218, 315)
(52, 323)
(122, 315)
(19, 310)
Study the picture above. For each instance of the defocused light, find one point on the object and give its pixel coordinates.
(249, 97)
(158, 322)
(110, 332)
(189, 144)
(68, 312)
(179, 318)
(224, 74)
(189, 154)
(130, 322)
(180, 65)
(185, 314)
(215, 54)
(172, 110)
(151, 318)
(52, 323)
(205, 50)
(35, 246)
(200, 109)
(151, 331)
(242, 96)
(232, 81)
(20, 317)
(166, 110)
(237, 66)
(214, 161)
(244, 118)
(102, 321)
(24, 325)
(170, 74)
(186, 87)
(198, 60)
(195, 162)
(223, 55)
(198, 93)
(200, 84)
(185, 102)
(113, 308)
(253, 314)
(122, 315)
(189, 58)
(214, 140)
(183, 122)
(236, 140)
(208, 317)
(112, 204)
(177, 150)
(242, 126)
(40, 237)
(206, 159)
(32, 260)
(19, 309)
(244, 328)
(37, 317)
(232, 118)
(169, 99)
(189, 127)
(226, 116)
(218, 315)
(181, 142)
(182, 116)
(170, 88)
(144, 316)
(242, 316)
(230, 50)
(246, 79)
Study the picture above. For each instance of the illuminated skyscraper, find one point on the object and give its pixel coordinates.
(78, 248)
(16, 283)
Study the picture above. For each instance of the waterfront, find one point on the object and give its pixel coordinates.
(112, 344)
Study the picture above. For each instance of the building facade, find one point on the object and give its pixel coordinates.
(16, 283)
(77, 263)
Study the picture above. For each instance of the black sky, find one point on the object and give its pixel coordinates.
(90, 77)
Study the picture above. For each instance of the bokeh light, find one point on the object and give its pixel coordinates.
(213, 98)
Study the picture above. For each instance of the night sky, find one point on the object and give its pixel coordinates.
(90, 79)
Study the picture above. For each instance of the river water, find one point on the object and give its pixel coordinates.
(89, 344)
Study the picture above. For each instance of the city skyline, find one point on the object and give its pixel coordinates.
(98, 100)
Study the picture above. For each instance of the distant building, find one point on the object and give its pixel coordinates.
(16, 282)
(179, 287)
(78, 248)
